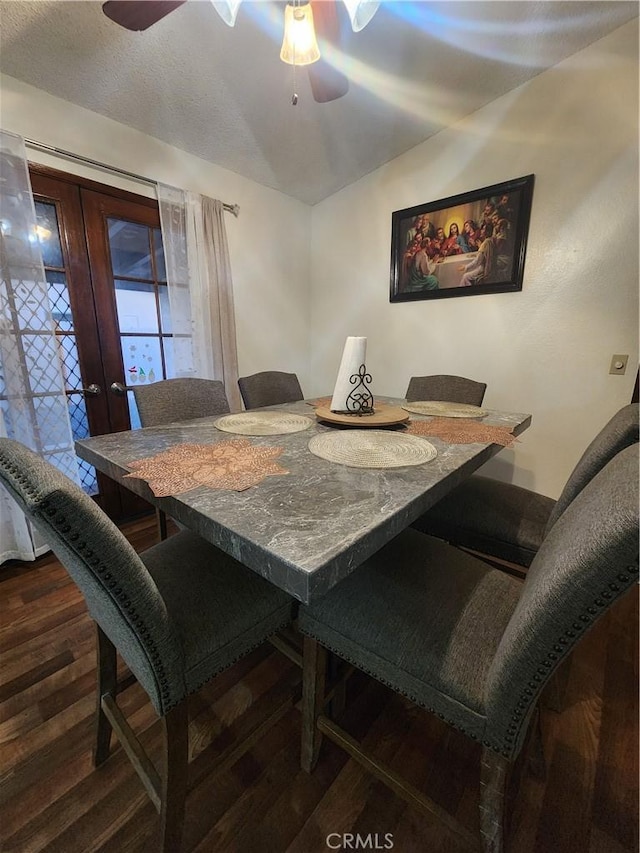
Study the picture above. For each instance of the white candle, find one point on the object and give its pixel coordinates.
(353, 355)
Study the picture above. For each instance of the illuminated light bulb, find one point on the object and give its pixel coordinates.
(299, 45)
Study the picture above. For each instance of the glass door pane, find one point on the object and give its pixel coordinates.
(137, 263)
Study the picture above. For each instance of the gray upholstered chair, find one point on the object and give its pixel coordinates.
(453, 389)
(179, 400)
(173, 400)
(507, 522)
(269, 388)
(468, 642)
(178, 614)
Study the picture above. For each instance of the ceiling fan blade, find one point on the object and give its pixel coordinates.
(139, 14)
(327, 83)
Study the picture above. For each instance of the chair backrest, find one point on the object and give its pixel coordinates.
(180, 400)
(453, 389)
(588, 559)
(119, 591)
(269, 388)
(621, 431)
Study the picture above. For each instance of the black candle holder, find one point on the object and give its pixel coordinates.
(360, 400)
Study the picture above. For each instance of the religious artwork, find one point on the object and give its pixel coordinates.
(468, 244)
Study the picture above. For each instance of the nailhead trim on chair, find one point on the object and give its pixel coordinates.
(563, 646)
(393, 687)
(560, 650)
(235, 660)
(117, 594)
(105, 577)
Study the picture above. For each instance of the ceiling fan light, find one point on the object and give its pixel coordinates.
(361, 12)
(227, 9)
(299, 44)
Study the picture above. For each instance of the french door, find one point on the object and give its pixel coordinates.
(104, 264)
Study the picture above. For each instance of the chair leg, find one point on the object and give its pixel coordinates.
(313, 690)
(161, 519)
(494, 771)
(107, 684)
(339, 699)
(175, 727)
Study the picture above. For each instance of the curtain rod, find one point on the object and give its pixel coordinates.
(41, 146)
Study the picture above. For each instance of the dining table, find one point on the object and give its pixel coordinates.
(307, 528)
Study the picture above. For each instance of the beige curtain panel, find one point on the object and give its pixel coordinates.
(200, 288)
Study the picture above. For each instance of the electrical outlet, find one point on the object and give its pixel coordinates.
(618, 364)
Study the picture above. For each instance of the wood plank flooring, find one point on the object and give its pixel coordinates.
(52, 799)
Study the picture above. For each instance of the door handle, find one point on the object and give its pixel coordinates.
(118, 389)
(92, 390)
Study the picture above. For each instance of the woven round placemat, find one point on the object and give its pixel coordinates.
(263, 423)
(372, 449)
(444, 409)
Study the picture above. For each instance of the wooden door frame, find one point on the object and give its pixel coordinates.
(96, 208)
(74, 248)
(59, 187)
(88, 184)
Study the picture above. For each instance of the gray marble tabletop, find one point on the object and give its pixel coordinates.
(307, 530)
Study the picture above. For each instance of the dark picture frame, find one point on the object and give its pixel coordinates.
(468, 244)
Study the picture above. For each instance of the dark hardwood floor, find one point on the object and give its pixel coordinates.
(53, 799)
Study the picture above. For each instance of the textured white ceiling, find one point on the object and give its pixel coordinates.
(224, 95)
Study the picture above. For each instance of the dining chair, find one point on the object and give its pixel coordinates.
(172, 400)
(453, 389)
(468, 642)
(269, 388)
(508, 523)
(178, 614)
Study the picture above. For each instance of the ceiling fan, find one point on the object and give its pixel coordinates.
(327, 82)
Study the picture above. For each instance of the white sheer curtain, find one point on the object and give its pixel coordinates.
(32, 398)
(200, 288)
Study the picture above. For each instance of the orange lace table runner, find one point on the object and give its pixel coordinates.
(462, 431)
(235, 464)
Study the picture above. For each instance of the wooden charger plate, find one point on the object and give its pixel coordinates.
(385, 416)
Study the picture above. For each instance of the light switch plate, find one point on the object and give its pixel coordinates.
(618, 364)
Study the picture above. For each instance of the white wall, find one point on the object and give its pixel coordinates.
(546, 349)
(268, 243)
